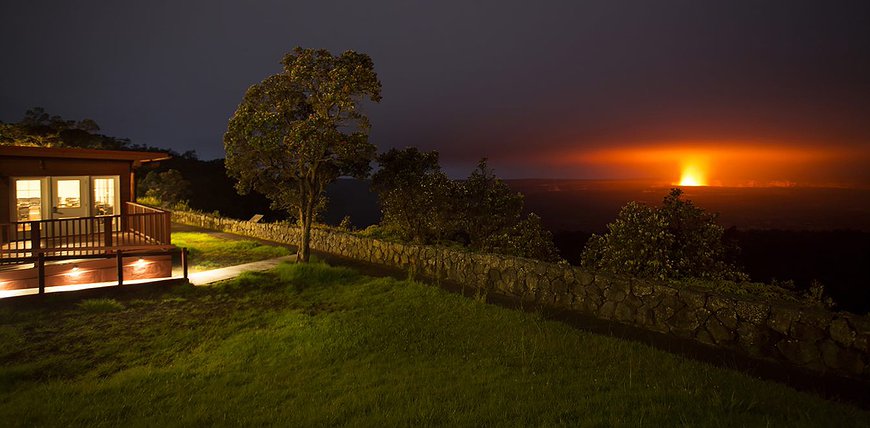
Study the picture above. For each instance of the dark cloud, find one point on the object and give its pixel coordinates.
(470, 79)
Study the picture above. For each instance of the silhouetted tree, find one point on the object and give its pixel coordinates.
(296, 132)
(169, 187)
(417, 199)
(40, 129)
(490, 207)
(423, 205)
(675, 240)
(491, 217)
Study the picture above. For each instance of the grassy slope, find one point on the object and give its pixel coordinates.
(209, 252)
(306, 345)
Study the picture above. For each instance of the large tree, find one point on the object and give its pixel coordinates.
(297, 131)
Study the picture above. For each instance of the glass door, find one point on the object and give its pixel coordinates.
(70, 197)
(106, 195)
(29, 195)
(30, 203)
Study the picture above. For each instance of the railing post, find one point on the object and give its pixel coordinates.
(34, 236)
(122, 222)
(40, 269)
(167, 231)
(184, 262)
(120, 257)
(107, 229)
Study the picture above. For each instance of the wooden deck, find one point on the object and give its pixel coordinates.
(138, 226)
(133, 245)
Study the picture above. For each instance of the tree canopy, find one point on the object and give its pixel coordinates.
(421, 204)
(168, 187)
(416, 197)
(38, 128)
(297, 131)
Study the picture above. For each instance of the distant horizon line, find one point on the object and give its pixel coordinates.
(656, 182)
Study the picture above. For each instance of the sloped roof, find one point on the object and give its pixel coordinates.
(75, 153)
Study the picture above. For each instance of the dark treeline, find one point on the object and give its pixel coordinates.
(840, 260)
(212, 190)
(40, 129)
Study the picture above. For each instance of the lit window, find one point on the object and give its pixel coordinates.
(28, 194)
(69, 194)
(104, 196)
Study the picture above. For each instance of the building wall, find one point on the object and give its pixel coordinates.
(807, 337)
(34, 167)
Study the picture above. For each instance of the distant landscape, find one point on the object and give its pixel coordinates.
(798, 234)
(588, 205)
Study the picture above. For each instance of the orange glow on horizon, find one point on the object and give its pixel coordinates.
(713, 163)
(692, 176)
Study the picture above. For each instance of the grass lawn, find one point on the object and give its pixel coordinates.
(318, 345)
(210, 252)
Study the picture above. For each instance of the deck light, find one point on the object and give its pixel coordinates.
(139, 265)
(74, 272)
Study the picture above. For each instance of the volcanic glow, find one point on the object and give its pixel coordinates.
(692, 176)
(714, 163)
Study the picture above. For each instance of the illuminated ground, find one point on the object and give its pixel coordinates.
(314, 345)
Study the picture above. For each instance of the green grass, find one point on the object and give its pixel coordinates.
(210, 252)
(100, 305)
(318, 345)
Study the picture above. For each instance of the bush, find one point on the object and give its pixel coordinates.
(817, 296)
(528, 239)
(675, 240)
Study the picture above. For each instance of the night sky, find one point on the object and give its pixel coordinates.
(579, 89)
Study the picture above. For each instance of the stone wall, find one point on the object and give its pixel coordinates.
(810, 338)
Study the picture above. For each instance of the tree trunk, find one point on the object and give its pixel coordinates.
(306, 215)
(304, 249)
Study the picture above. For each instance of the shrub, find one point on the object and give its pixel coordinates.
(528, 239)
(817, 296)
(346, 225)
(675, 240)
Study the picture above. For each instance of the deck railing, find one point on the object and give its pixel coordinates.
(137, 225)
(150, 225)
